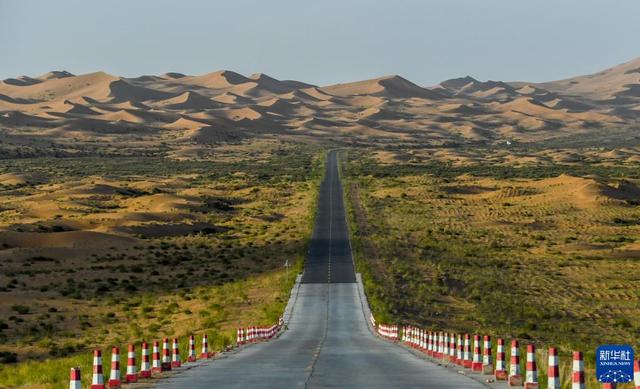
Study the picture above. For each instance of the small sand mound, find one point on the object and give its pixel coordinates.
(69, 239)
(185, 124)
(242, 113)
(10, 179)
(189, 100)
(122, 115)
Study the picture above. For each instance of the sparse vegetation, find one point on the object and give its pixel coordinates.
(545, 255)
(183, 247)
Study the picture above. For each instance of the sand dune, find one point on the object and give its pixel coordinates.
(390, 86)
(226, 104)
(122, 115)
(185, 124)
(94, 85)
(55, 74)
(602, 85)
(222, 79)
(71, 239)
(188, 100)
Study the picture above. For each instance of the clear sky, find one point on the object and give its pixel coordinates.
(321, 41)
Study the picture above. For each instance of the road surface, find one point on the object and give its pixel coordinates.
(328, 343)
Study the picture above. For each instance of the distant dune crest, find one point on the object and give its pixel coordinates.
(226, 103)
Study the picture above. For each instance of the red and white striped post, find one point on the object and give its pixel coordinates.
(609, 385)
(132, 375)
(240, 336)
(636, 373)
(114, 377)
(440, 345)
(553, 371)
(501, 367)
(467, 363)
(192, 349)
(460, 351)
(476, 365)
(157, 366)
(424, 340)
(74, 379)
(445, 347)
(205, 347)
(531, 375)
(577, 378)
(166, 356)
(430, 343)
(176, 361)
(145, 366)
(487, 358)
(414, 337)
(97, 380)
(452, 348)
(435, 343)
(515, 377)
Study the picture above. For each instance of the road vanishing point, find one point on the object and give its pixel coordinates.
(328, 343)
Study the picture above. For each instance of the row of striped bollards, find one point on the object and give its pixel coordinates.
(170, 359)
(157, 364)
(388, 331)
(255, 334)
(456, 348)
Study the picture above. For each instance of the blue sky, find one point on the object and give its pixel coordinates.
(321, 42)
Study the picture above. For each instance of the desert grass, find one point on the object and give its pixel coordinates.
(550, 259)
(101, 252)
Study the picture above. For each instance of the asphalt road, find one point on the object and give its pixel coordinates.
(329, 259)
(328, 343)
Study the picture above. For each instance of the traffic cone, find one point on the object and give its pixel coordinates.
(205, 347)
(157, 366)
(531, 375)
(553, 371)
(176, 361)
(74, 378)
(166, 356)
(192, 349)
(131, 376)
(145, 367)
(487, 358)
(515, 377)
(459, 359)
(97, 381)
(636, 373)
(467, 363)
(114, 377)
(476, 365)
(577, 379)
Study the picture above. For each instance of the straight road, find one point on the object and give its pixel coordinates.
(328, 343)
